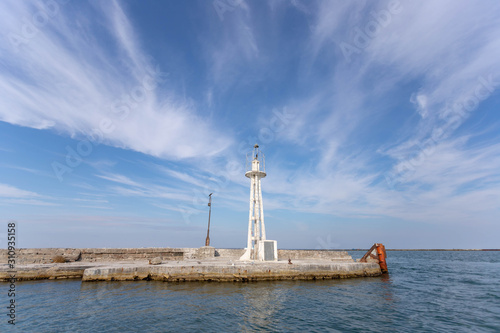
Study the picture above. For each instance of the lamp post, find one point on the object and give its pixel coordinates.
(207, 241)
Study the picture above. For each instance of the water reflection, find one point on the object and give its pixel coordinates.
(387, 287)
(262, 305)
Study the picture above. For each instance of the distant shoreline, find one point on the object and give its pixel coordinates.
(402, 249)
(427, 250)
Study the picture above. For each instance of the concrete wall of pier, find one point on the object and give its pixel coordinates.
(47, 255)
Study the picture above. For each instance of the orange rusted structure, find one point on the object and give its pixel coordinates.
(381, 254)
(381, 258)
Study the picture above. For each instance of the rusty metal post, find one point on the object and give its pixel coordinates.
(381, 258)
(207, 241)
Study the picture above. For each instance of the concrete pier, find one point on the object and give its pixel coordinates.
(186, 264)
(228, 271)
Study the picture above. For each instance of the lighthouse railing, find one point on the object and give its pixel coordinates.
(260, 157)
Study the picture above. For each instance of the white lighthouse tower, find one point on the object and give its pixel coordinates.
(258, 248)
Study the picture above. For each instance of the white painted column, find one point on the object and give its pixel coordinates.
(262, 213)
(248, 253)
(257, 217)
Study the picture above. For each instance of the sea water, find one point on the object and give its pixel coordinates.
(429, 291)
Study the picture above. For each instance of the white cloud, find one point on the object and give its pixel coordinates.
(15, 196)
(146, 189)
(450, 49)
(63, 79)
(439, 53)
(30, 202)
(182, 176)
(451, 46)
(120, 179)
(30, 170)
(420, 102)
(231, 47)
(8, 191)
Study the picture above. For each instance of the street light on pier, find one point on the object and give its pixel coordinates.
(207, 241)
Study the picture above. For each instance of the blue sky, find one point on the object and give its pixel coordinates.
(379, 121)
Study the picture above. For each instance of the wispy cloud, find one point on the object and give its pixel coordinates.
(451, 56)
(21, 168)
(120, 179)
(8, 191)
(126, 104)
(146, 189)
(12, 195)
(392, 131)
(29, 202)
(182, 176)
(95, 207)
(230, 46)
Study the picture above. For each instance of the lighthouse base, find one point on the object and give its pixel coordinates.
(268, 250)
(247, 255)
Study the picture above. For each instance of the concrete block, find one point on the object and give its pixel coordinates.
(205, 252)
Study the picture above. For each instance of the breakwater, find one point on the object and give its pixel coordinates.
(219, 270)
(47, 255)
(180, 264)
